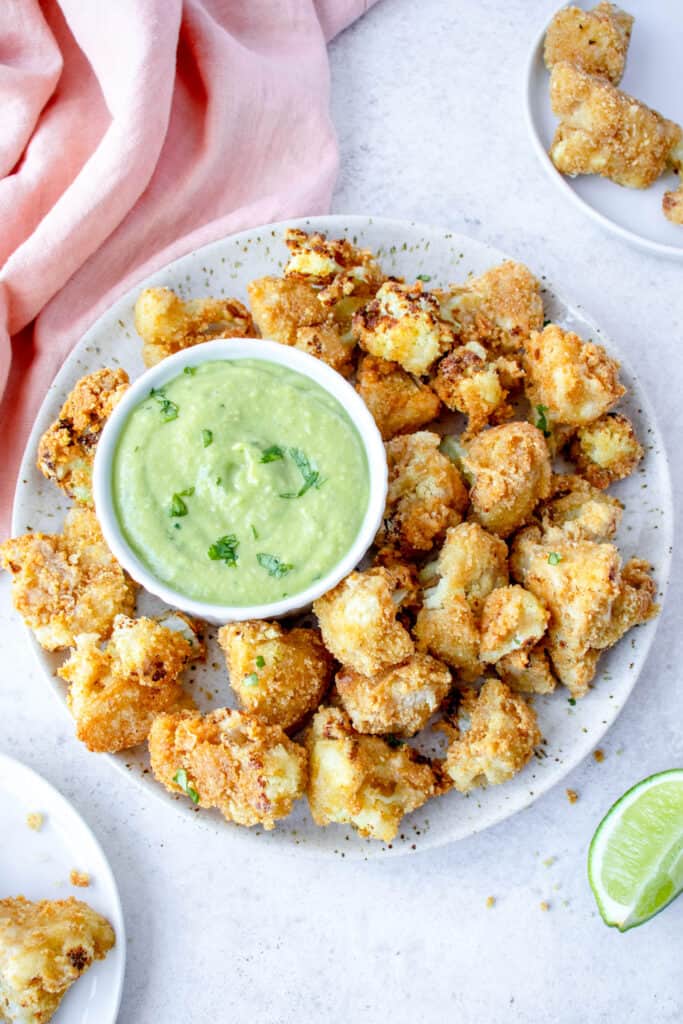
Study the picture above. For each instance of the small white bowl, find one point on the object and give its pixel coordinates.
(240, 348)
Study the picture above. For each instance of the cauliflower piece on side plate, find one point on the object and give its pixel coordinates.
(402, 323)
(399, 402)
(250, 771)
(672, 205)
(363, 781)
(596, 41)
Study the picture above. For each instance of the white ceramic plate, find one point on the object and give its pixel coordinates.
(652, 75)
(407, 249)
(37, 865)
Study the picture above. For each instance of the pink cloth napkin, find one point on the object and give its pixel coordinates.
(134, 132)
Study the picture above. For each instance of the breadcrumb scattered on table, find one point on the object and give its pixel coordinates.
(490, 901)
(81, 879)
(35, 820)
(599, 755)
(572, 795)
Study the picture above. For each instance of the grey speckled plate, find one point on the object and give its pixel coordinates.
(225, 268)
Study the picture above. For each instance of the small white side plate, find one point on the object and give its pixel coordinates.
(37, 864)
(653, 72)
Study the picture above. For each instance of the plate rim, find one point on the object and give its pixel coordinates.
(672, 252)
(345, 223)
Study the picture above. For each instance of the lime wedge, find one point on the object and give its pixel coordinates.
(635, 861)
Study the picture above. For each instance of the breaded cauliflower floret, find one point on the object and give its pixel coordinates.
(167, 324)
(339, 268)
(596, 40)
(402, 323)
(67, 583)
(325, 342)
(512, 620)
(578, 581)
(496, 736)
(363, 781)
(606, 450)
(281, 306)
(579, 511)
(468, 381)
(398, 401)
(250, 771)
(117, 690)
(358, 621)
(527, 671)
(426, 494)
(510, 469)
(279, 676)
(470, 565)
(604, 131)
(568, 380)
(672, 205)
(399, 700)
(44, 948)
(66, 451)
(498, 309)
(634, 604)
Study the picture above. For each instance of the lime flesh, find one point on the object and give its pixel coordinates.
(635, 861)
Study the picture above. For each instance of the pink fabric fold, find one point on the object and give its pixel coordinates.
(132, 133)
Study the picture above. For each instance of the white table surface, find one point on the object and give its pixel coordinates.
(427, 99)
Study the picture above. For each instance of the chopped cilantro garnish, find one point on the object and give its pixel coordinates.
(273, 453)
(207, 437)
(571, 701)
(254, 532)
(251, 679)
(542, 422)
(273, 565)
(424, 277)
(311, 476)
(260, 661)
(546, 322)
(554, 558)
(225, 550)
(190, 370)
(167, 408)
(178, 506)
(180, 779)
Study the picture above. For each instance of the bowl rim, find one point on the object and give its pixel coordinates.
(263, 350)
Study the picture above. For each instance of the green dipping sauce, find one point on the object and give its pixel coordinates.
(240, 482)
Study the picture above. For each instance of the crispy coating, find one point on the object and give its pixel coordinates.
(496, 736)
(579, 511)
(470, 565)
(363, 781)
(250, 771)
(634, 604)
(69, 583)
(604, 131)
(117, 690)
(44, 948)
(596, 41)
(606, 450)
(168, 324)
(527, 671)
(568, 380)
(512, 620)
(277, 675)
(325, 342)
(358, 621)
(399, 700)
(497, 309)
(399, 402)
(672, 205)
(66, 451)
(336, 266)
(426, 494)
(403, 324)
(510, 467)
(468, 381)
(280, 306)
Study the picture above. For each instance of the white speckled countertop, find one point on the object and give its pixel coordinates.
(427, 98)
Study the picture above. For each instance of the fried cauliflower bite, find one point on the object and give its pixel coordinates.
(336, 266)
(325, 342)
(279, 676)
(527, 671)
(512, 620)
(510, 469)
(470, 565)
(363, 781)
(116, 690)
(69, 583)
(634, 604)
(606, 450)
(468, 381)
(399, 700)
(280, 306)
(231, 760)
(569, 381)
(358, 621)
(496, 735)
(45, 946)
(426, 494)
(672, 205)
(579, 511)
(402, 324)
(596, 41)
(578, 581)
(168, 324)
(66, 451)
(497, 309)
(604, 131)
(399, 402)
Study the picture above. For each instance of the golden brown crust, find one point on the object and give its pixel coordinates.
(527, 671)
(672, 205)
(279, 676)
(338, 268)
(606, 450)
(69, 583)
(468, 381)
(403, 324)
(325, 342)
(579, 511)
(66, 451)
(250, 771)
(280, 306)
(168, 324)
(512, 620)
(596, 41)
(399, 402)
